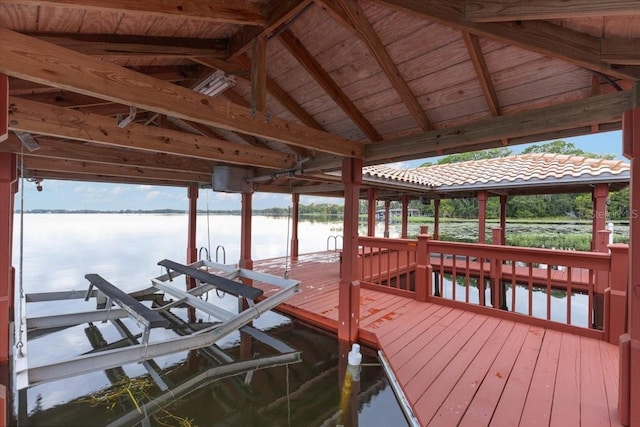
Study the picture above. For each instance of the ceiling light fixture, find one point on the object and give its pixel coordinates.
(215, 84)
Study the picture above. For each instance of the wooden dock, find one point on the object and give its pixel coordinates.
(457, 367)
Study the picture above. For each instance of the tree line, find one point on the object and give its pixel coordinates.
(535, 206)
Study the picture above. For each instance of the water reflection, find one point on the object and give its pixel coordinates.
(579, 301)
(125, 248)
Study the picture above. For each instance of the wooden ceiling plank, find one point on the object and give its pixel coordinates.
(71, 166)
(621, 50)
(525, 10)
(280, 14)
(539, 36)
(31, 59)
(484, 77)
(105, 45)
(44, 119)
(558, 117)
(223, 11)
(283, 97)
(304, 57)
(82, 151)
(351, 14)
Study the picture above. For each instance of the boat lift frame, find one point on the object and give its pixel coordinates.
(27, 375)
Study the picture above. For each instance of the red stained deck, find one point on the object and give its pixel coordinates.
(461, 368)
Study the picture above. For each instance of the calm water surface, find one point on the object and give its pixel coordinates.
(59, 249)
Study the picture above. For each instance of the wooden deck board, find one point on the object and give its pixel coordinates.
(481, 409)
(537, 409)
(566, 398)
(460, 368)
(462, 393)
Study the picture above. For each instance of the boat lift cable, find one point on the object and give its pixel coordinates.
(208, 232)
(20, 344)
(286, 257)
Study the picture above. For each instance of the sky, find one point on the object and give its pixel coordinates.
(73, 195)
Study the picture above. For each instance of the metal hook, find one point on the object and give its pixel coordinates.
(131, 117)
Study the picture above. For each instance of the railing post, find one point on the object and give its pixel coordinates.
(601, 280)
(616, 309)
(498, 300)
(423, 268)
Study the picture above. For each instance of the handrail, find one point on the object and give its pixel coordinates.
(524, 281)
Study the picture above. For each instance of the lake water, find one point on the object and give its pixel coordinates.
(59, 249)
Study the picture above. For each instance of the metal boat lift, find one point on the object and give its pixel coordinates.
(150, 319)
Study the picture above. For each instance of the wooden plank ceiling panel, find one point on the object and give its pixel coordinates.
(55, 19)
(100, 21)
(551, 81)
(541, 36)
(556, 99)
(325, 80)
(353, 17)
(19, 17)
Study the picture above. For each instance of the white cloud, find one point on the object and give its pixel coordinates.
(152, 195)
(117, 191)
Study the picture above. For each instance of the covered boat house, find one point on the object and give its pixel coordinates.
(311, 97)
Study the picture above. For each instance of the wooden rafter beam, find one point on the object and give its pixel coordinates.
(45, 175)
(600, 109)
(539, 36)
(526, 10)
(259, 75)
(222, 11)
(351, 15)
(31, 59)
(620, 50)
(89, 152)
(44, 119)
(280, 14)
(304, 57)
(131, 172)
(484, 77)
(105, 45)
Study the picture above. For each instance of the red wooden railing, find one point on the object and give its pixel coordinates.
(581, 292)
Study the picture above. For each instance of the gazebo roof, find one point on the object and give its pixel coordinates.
(520, 174)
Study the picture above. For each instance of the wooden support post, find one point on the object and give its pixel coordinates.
(498, 297)
(503, 219)
(629, 392)
(616, 293)
(245, 233)
(295, 215)
(599, 219)
(387, 209)
(349, 288)
(405, 216)
(436, 219)
(4, 107)
(245, 262)
(601, 280)
(371, 211)
(192, 250)
(424, 269)
(482, 215)
(8, 179)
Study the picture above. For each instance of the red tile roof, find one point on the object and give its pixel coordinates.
(531, 170)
